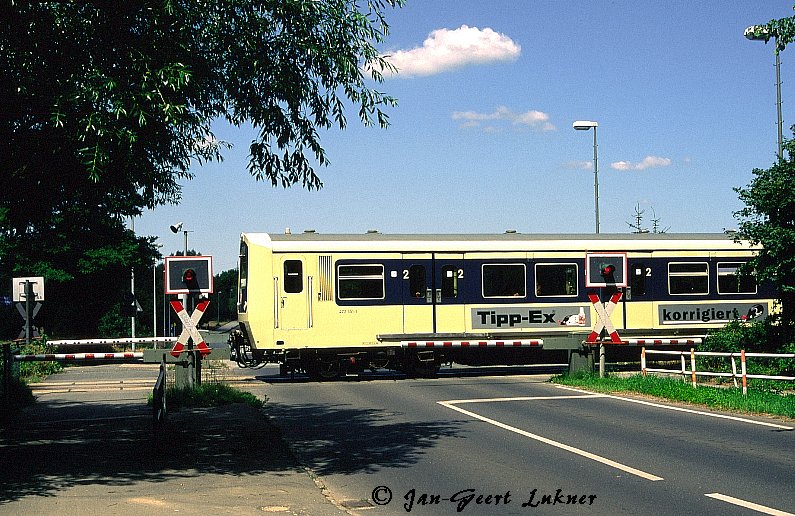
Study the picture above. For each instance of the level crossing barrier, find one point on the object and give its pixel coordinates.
(89, 356)
(694, 373)
(113, 342)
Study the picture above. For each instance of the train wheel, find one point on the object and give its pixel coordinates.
(323, 369)
(422, 365)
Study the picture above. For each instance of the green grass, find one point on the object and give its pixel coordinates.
(674, 389)
(210, 394)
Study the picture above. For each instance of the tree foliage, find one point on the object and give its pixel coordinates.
(107, 105)
(768, 219)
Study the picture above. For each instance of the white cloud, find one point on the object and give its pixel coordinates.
(579, 165)
(535, 119)
(648, 162)
(446, 50)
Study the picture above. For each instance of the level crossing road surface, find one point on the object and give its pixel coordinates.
(514, 444)
(473, 441)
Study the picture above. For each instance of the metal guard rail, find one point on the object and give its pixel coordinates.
(742, 355)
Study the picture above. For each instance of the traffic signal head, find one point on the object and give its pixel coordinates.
(605, 269)
(129, 305)
(608, 270)
(189, 279)
(189, 274)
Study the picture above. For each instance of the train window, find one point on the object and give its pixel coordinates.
(733, 280)
(504, 280)
(417, 283)
(450, 276)
(688, 278)
(360, 281)
(556, 279)
(293, 276)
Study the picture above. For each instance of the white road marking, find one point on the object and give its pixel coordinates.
(571, 449)
(682, 409)
(523, 398)
(748, 505)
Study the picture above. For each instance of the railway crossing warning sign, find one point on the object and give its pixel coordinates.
(189, 274)
(189, 328)
(603, 321)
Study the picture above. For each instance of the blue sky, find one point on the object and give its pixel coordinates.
(482, 138)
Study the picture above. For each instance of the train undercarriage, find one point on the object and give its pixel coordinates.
(329, 364)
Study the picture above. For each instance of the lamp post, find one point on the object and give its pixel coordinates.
(760, 33)
(585, 125)
(154, 296)
(176, 228)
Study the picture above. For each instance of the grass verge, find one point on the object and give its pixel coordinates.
(208, 395)
(674, 389)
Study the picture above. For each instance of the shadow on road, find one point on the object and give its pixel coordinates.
(43, 455)
(344, 439)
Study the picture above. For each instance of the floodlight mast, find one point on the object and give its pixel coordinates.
(762, 33)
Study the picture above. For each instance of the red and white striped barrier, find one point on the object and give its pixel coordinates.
(112, 342)
(662, 342)
(49, 357)
(471, 343)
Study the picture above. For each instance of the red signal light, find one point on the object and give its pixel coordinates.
(188, 276)
(608, 270)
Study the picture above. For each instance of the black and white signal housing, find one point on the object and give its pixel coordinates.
(189, 274)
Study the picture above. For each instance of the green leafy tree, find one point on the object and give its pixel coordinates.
(768, 219)
(107, 106)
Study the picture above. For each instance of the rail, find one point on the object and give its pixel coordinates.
(694, 373)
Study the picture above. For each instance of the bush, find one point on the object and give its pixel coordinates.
(209, 395)
(31, 370)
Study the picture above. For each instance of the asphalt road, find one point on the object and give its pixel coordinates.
(473, 441)
(516, 445)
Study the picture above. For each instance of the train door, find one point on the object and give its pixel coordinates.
(449, 309)
(293, 300)
(418, 293)
(638, 305)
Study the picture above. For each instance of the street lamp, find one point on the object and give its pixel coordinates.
(585, 125)
(761, 33)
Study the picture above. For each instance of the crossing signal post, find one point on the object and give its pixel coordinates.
(189, 276)
(606, 272)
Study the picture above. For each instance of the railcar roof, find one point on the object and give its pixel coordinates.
(487, 242)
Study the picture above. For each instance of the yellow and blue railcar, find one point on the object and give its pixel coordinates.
(328, 304)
